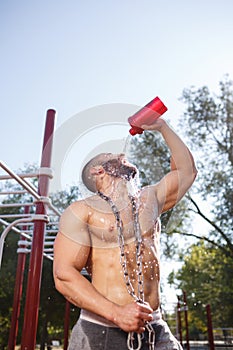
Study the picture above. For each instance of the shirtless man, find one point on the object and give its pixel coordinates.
(116, 238)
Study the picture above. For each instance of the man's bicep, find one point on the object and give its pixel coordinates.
(170, 190)
(69, 254)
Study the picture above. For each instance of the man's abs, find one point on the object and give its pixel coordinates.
(108, 277)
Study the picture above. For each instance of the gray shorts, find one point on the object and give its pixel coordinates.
(87, 335)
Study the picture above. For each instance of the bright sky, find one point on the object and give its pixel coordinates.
(74, 55)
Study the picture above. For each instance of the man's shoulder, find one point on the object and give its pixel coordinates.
(84, 203)
(77, 212)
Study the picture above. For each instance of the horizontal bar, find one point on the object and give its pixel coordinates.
(24, 242)
(12, 205)
(34, 217)
(4, 216)
(13, 192)
(41, 171)
(48, 243)
(22, 176)
(23, 250)
(55, 223)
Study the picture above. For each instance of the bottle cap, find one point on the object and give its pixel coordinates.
(135, 130)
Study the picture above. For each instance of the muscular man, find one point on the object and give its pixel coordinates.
(115, 236)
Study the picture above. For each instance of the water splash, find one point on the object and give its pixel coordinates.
(133, 186)
(127, 144)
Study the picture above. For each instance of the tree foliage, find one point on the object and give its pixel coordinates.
(206, 276)
(207, 271)
(208, 125)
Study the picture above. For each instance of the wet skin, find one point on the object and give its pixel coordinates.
(104, 259)
(88, 238)
(100, 252)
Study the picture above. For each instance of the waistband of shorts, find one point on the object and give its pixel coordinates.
(94, 318)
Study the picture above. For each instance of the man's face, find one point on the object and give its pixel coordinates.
(118, 166)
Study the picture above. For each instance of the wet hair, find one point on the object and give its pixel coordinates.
(87, 177)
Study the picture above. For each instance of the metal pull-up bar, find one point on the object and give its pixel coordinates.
(28, 340)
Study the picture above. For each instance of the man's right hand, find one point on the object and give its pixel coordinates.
(132, 317)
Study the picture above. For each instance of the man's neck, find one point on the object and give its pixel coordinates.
(116, 189)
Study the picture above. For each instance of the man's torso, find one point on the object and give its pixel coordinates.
(104, 263)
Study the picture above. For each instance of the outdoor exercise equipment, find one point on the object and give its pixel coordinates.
(35, 240)
(182, 306)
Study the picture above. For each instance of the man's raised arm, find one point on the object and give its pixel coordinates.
(176, 183)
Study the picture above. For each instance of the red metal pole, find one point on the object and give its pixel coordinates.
(186, 320)
(28, 340)
(17, 294)
(210, 328)
(179, 321)
(66, 324)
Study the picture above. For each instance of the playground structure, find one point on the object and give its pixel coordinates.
(37, 226)
(182, 306)
(213, 338)
(37, 233)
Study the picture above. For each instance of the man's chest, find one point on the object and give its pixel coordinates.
(106, 226)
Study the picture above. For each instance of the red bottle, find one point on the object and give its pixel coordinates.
(147, 115)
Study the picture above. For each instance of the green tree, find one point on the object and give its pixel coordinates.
(206, 276)
(7, 278)
(208, 125)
